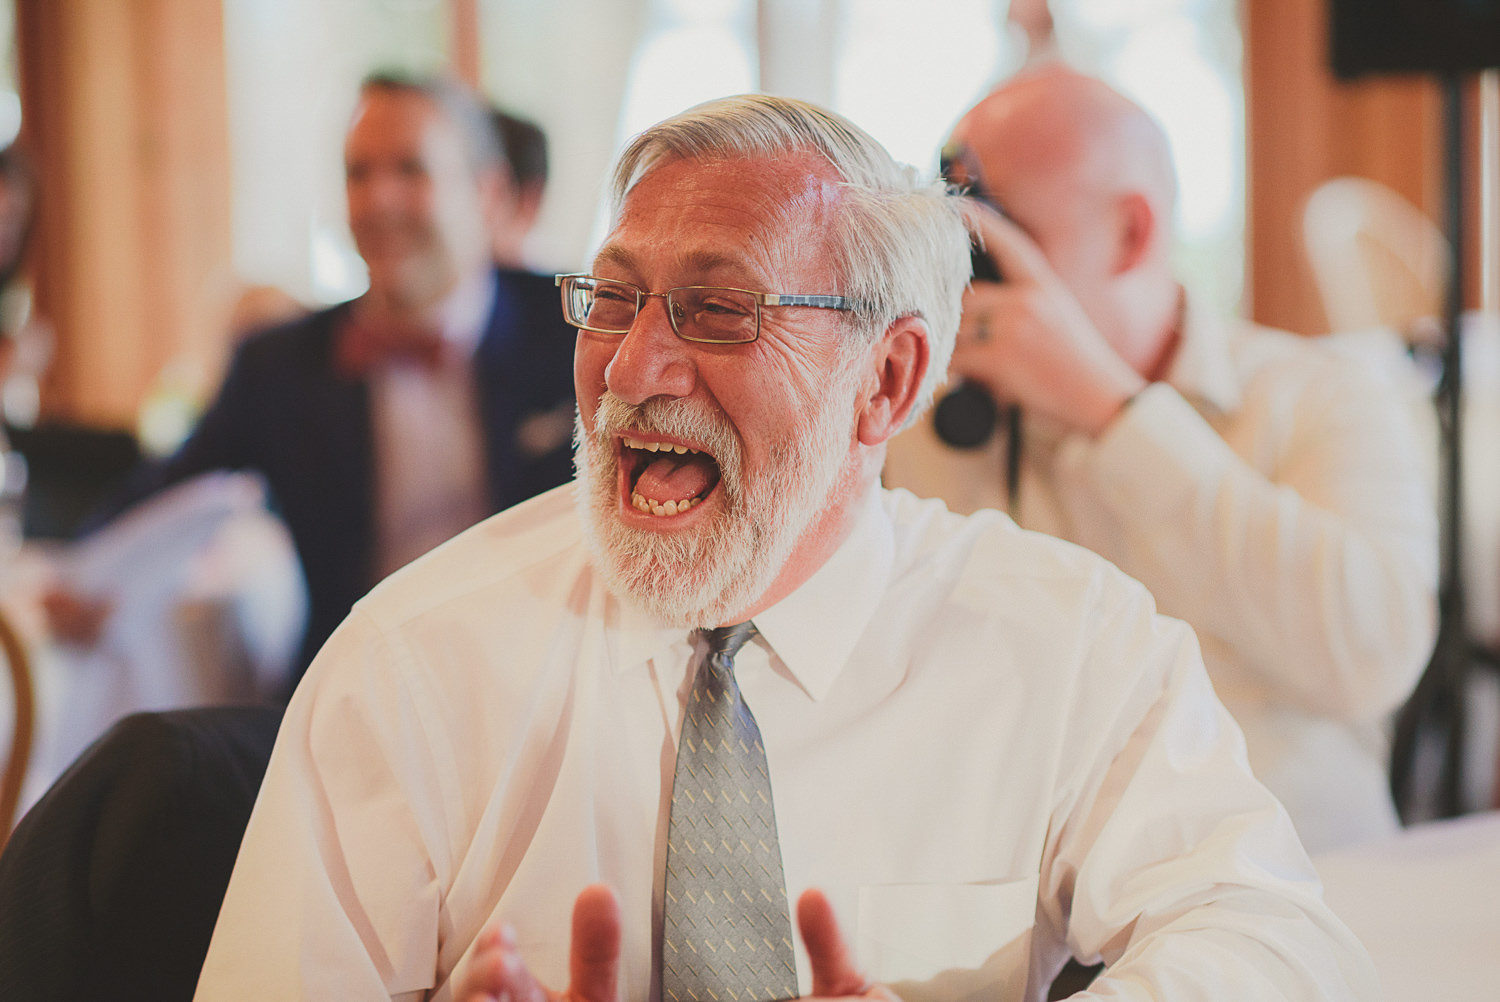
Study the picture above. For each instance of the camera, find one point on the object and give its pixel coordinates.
(966, 416)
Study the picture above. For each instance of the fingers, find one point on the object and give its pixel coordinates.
(595, 956)
(834, 972)
(495, 971)
(480, 982)
(497, 974)
(984, 345)
(1015, 254)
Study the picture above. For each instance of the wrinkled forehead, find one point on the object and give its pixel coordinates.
(783, 210)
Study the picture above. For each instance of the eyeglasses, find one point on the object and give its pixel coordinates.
(699, 313)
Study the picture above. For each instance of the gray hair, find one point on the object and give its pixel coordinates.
(900, 242)
(482, 143)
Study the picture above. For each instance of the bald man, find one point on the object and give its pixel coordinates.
(1267, 489)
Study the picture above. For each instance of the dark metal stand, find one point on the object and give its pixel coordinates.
(1434, 719)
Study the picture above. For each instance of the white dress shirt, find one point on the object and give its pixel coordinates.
(429, 444)
(1272, 493)
(984, 745)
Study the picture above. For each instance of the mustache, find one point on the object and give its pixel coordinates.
(673, 418)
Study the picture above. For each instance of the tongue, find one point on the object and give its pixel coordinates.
(676, 478)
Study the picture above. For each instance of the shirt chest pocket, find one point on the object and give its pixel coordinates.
(948, 942)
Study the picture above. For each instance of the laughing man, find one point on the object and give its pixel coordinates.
(594, 747)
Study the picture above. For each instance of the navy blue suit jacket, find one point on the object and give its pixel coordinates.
(284, 410)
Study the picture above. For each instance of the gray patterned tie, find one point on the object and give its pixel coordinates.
(726, 935)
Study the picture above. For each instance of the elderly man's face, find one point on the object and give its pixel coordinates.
(711, 472)
(417, 211)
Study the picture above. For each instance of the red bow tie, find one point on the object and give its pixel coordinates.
(365, 345)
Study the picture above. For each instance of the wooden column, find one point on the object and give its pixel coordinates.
(1303, 127)
(124, 106)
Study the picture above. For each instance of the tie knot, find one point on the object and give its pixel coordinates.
(726, 641)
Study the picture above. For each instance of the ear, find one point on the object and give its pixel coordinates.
(1136, 231)
(898, 365)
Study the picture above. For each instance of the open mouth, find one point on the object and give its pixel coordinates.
(666, 479)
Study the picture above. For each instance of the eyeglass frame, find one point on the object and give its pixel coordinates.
(761, 299)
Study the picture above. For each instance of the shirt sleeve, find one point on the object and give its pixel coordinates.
(336, 892)
(1166, 858)
(1320, 575)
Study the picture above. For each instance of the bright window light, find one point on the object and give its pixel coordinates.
(907, 78)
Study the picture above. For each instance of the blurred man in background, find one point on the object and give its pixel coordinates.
(526, 152)
(17, 200)
(444, 393)
(25, 340)
(1268, 491)
(17, 196)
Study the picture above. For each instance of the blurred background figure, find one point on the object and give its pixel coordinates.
(17, 201)
(526, 152)
(1268, 490)
(1032, 21)
(256, 307)
(385, 425)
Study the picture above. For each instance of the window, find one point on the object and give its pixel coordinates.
(593, 72)
(1180, 59)
(294, 68)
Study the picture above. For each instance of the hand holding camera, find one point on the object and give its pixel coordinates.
(966, 416)
(1027, 341)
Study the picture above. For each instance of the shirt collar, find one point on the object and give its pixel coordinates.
(638, 635)
(466, 311)
(814, 629)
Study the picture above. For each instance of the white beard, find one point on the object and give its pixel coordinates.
(701, 578)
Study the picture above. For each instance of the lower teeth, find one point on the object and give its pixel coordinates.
(645, 504)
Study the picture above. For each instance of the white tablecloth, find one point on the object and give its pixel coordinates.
(207, 606)
(1426, 904)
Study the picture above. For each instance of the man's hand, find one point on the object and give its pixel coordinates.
(834, 973)
(1029, 342)
(496, 973)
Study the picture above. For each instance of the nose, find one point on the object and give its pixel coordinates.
(374, 190)
(651, 360)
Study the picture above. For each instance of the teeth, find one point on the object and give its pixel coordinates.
(644, 446)
(662, 508)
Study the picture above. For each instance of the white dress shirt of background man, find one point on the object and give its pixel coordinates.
(1267, 489)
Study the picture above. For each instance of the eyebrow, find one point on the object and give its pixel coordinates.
(708, 261)
(702, 263)
(615, 255)
(702, 260)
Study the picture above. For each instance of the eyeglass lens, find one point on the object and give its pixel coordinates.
(698, 314)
